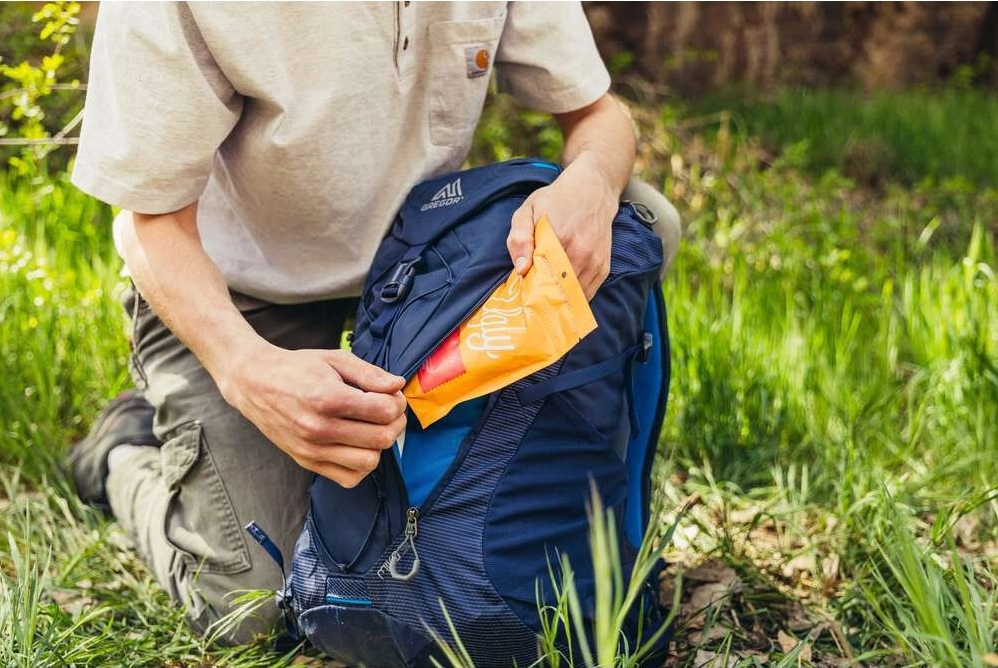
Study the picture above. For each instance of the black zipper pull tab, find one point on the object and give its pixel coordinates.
(408, 545)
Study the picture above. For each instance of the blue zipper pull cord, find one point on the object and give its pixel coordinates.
(260, 536)
(283, 596)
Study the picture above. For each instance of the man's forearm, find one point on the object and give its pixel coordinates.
(330, 411)
(601, 138)
(581, 203)
(186, 290)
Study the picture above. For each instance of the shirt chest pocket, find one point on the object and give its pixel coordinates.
(461, 55)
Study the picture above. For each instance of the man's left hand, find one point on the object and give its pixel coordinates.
(580, 205)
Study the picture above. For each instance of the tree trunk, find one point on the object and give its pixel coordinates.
(691, 46)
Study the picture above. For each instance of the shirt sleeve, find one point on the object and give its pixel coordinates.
(157, 109)
(547, 57)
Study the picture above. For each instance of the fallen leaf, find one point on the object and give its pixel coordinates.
(966, 530)
(666, 592)
(800, 563)
(797, 618)
(786, 641)
(705, 659)
(704, 600)
(309, 661)
(830, 569)
(712, 570)
(788, 644)
(709, 635)
(71, 602)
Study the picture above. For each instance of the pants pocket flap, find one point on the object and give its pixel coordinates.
(179, 453)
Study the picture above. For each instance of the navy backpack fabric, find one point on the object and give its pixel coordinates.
(471, 512)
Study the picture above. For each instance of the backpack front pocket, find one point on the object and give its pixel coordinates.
(360, 635)
(351, 527)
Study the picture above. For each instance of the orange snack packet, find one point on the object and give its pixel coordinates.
(528, 323)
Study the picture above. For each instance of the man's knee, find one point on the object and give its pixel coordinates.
(667, 223)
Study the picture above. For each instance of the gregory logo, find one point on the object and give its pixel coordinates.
(449, 194)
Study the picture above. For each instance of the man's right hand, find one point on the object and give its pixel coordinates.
(330, 411)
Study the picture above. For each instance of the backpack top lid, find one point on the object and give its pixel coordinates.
(443, 256)
(433, 207)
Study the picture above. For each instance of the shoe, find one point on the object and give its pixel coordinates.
(126, 420)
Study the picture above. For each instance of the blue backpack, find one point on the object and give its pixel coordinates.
(473, 511)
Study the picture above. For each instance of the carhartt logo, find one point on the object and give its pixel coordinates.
(477, 59)
(449, 194)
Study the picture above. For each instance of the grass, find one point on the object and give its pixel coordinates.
(832, 421)
(62, 340)
(908, 135)
(946, 614)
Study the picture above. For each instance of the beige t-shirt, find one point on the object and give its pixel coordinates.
(302, 126)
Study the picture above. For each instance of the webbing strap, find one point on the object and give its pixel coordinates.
(589, 374)
(260, 536)
(285, 642)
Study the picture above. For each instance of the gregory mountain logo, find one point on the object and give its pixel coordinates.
(449, 194)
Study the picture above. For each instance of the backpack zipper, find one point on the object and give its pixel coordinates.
(407, 374)
(390, 565)
(407, 545)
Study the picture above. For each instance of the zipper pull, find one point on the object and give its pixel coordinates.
(408, 544)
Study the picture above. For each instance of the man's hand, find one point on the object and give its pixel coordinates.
(581, 203)
(580, 206)
(328, 410)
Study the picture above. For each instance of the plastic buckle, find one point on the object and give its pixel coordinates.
(397, 287)
(647, 341)
(282, 599)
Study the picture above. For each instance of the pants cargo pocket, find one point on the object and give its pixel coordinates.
(200, 521)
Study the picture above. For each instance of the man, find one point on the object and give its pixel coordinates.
(263, 150)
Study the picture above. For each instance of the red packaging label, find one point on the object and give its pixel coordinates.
(443, 365)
